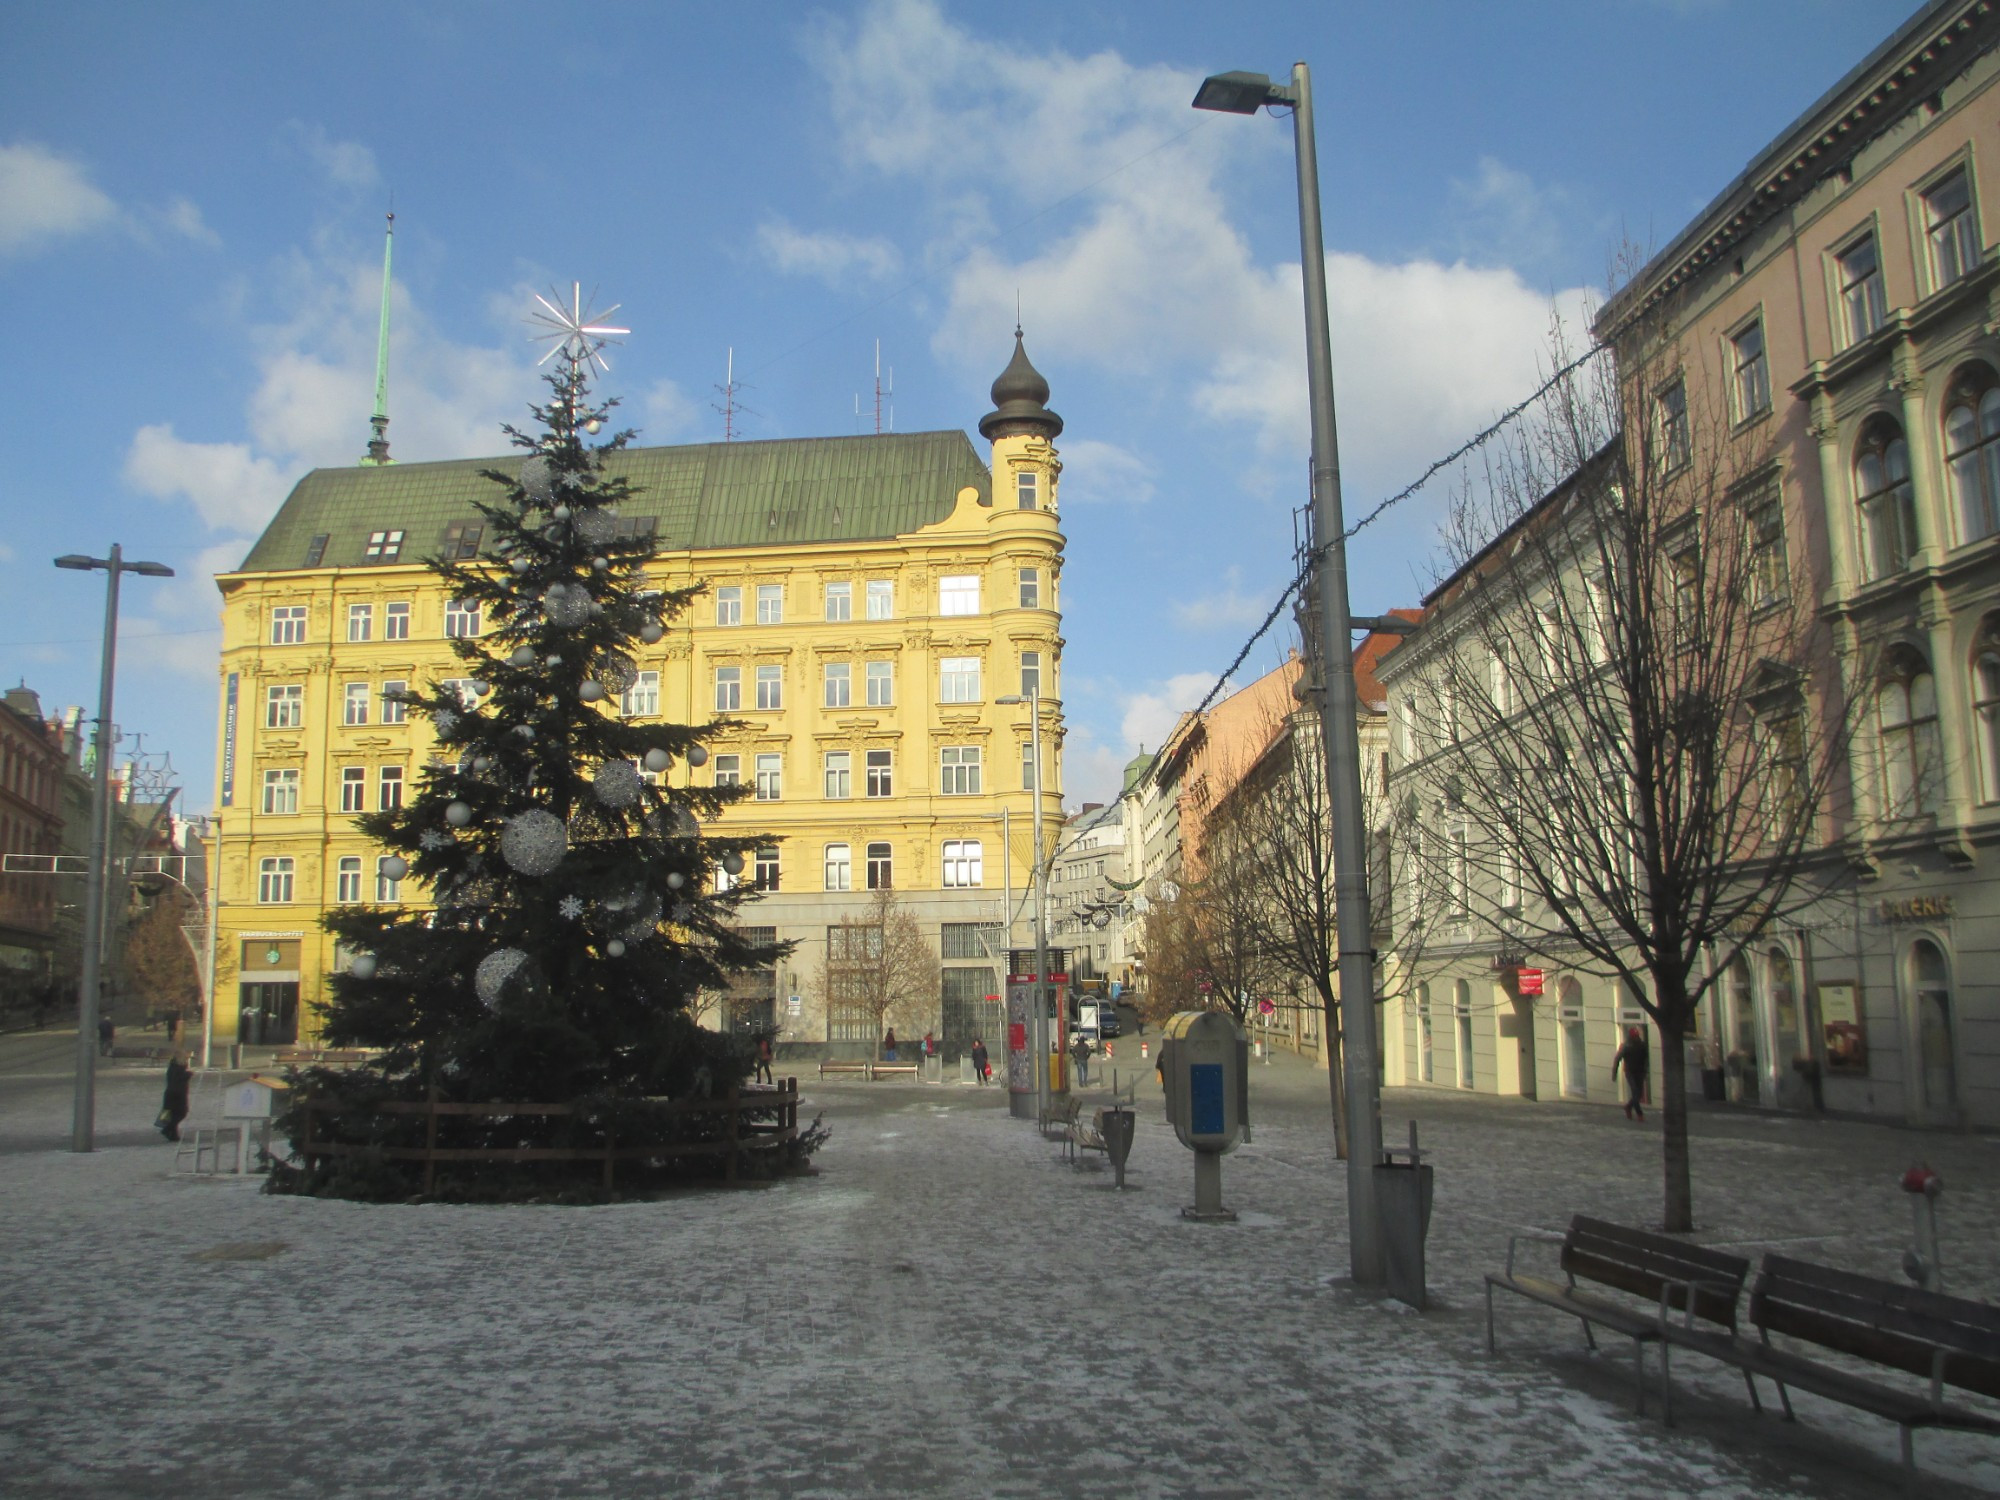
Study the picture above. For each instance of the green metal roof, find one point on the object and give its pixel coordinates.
(791, 491)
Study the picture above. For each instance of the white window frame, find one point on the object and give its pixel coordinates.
(274, 881)
(964, 864)
(837, 868)
(347, 881)
(360, 622)
(1750, 374)
(354, 703)
(388, 889)
(729, 605)
(728, 690)
(728, 770)
(285, 705)
(394, 710)
(1862, 300)
(770, 688)
(383, 546)
(396, 621)
(958, 594)
(881, 684)
(837, 775)
(839, 603)
(354, 790)
(281, 792)
(837, 684)
(288, 625)
(1027, 490)
(958, 679)
(386, 779)
(642, 699)
(1031, 674)
(461, 619)
(770, 770)
(770, 604)
(959, 770)
(879, 773)
(1029, 582)
(881, 598)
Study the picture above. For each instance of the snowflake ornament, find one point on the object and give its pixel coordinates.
(435, 840)
(571, 907)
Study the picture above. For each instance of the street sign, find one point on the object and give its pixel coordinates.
(1266, 1007)
(1529, 981)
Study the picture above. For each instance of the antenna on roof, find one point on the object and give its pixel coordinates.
(881, 390)
(378, 445)
(730, 407)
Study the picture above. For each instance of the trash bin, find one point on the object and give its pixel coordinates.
(1116, 1126)
(1403, 1205)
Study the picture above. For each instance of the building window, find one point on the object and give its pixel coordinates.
(642, 699)
(959, 771)
(360, 621)
(394, 709)
(1027, 765)
(1025, 489)
(770, 777)
(1863, 304)
(729, 605)
(461, 618)
(288, 625)
(388, 888)
(839, 774)
(1952, 229)
(1906, 715)
(461, 540)
(1784, 773)
(1672, 437)
(1031, 588)
(881, 598)
(1461, 1005)
(389, 788)
(1986, 711)
(764, 869)
(839, 602)
(839, 682)
(281, 791)
(958, 679)
(383, 546)
(1752, 383)
(1460, 873)
(396, 622)
(728, 770)
(354, 703)
(1882, 488)
(459, 690)
(881, 778)
(770, 604)
(285, 706)
(881, 684)
(1770, 578)
(1930, 989)
(839, 867)
(1031, 674)
(963, 865)
(354, 790)
(728, 689)
(274, 882)
(1972, 452)
(958, 594)
(347, 883)
(1686, 573)
(880, 875)
(770, 687)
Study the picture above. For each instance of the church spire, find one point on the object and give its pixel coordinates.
(378, 445)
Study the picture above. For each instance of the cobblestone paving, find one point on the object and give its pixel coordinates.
(946, 1309)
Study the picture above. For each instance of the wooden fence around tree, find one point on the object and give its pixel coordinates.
(772, 1120)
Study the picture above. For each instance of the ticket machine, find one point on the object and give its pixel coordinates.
(1205, 1060)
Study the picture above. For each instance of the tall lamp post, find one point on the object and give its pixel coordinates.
(1245, 94)
(1039, 1031)
(83, 1122)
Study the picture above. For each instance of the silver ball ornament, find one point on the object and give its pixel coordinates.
(534, 842)
(591, 692)
(363, 966)
(523, 656)
(520, 564)
(481, 687)
(651, 632)
(658, 760)
(616, 671)
(593, 426)
(395, 867)
(458, 814)
(697, 755)
(616, 947)
(600, 564)
(537, 478)
(489, 980)
(675, 880)
(733, 862)
(617, 784)
(525, 731)
(596, 527)
(561, 512)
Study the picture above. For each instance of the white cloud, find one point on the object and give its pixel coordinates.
(1095, 472)
(1154, 282)
(1504, 217)
(1229, 605)
(667, 413)
(7, 553)
(228, 485)
(183, 217)
(1149, 717)
(836, 259)
(174, 624)
(345, 164)
(45, 196)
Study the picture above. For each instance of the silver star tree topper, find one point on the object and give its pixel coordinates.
(577, 333)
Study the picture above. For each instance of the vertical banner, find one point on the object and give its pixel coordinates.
(1020, 1057)
(229, 742)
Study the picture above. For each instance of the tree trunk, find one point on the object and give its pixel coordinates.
(1674, 1112)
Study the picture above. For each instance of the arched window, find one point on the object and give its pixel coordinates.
(1972, 452)
(1986, 708)
(1906, 720)
(1882, 490)
(1784, 996)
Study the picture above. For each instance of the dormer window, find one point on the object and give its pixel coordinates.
(383, 546)
(461, 540)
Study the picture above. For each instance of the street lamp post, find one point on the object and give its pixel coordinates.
(1245, 94)
(83, 1122)
(1039, 1031)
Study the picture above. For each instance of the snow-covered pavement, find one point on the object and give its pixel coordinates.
(946, 1309)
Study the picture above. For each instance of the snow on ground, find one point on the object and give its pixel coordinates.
(946, 1309)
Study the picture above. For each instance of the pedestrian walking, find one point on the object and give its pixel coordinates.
(106, 1035)
(1634, 1061)
(889, 1046)
(174, 1102)
(981, 1069)
(1080, 1050)
(930, 1047)
(763, 1071)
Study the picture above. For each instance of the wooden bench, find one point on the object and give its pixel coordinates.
(895, 1070)
(322, 1057)
(1058, 1114)
(842, 1066)
(1084, 1134)
(1945, 1340)
(1671, 1275)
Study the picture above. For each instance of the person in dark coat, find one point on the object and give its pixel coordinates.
(106, 1035)
(889, 1046)
(763, 1072)
(174, 1102)
(1080, 1050)
(980, 1067)
(1634, 1060)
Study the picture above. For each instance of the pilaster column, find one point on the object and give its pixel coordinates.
(1908, 384)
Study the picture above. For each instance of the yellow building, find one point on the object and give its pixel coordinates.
(868, 599)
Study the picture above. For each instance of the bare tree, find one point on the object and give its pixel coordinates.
(159, 957)
(881, 965)
(1204, 944)
(1629, 729)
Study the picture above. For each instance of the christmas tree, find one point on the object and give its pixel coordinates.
(577, 909)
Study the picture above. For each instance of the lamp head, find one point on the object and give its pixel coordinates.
(78, 561)
(150, 569)
(1237, 93)
(1009, 701)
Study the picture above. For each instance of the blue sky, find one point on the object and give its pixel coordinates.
(191, 203)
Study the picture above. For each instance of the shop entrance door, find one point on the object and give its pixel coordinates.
(267, 1015)
(1936, 1067)
(972, 1011)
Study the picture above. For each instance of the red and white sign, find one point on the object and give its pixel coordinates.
(1528, 981)
(1266, 1007)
